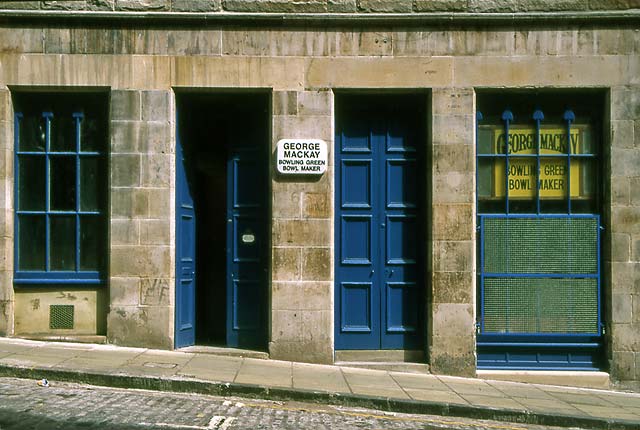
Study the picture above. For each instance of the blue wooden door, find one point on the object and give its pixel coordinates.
(379, 290)
(185, 254)
(247, 239)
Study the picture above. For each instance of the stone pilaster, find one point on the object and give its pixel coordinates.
(6, 214)
(622, 240)
(142, 175)
(451, 258)
(302, 252)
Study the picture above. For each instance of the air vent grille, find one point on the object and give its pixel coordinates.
(61, 316)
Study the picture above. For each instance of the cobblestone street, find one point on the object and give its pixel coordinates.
(25, 405)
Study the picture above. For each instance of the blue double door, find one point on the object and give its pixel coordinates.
(380, 199)
(221, 221)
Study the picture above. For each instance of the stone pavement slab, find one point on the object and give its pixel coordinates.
(319, 377)
(204, 372)
(265, 372)
(224, 369)
(515, 389)
(373, 383)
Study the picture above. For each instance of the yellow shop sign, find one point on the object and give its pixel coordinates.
(522, 179)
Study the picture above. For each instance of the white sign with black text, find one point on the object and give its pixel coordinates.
(301, 156)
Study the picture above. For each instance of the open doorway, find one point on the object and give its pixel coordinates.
(222, 225)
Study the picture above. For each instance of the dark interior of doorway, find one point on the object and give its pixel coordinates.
(207, 124)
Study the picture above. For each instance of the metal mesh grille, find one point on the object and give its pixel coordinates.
(541, 245)
(61, 316)
(534, 305)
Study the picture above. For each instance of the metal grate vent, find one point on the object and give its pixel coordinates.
(539, 305)
(541, 245)
(61, 316)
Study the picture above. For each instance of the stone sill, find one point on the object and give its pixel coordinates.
(630, 17)
(79, 338)
(582, 379)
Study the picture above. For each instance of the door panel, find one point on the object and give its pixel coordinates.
(379, 284)
(247, 240)
(402, 303)
(247, 298)
(186, 258)
(357, 307)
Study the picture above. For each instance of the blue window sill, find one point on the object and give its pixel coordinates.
(36, 279)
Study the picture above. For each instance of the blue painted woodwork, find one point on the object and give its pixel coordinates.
(379, 291)
(185, 252)
(540, 349)
(59, 192)
(247, 240)
(239, 145)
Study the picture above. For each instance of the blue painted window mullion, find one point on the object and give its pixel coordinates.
(16, 193)
(47, 148)
(78, 118)
(569, 117)
(507, 117)
(538, 116)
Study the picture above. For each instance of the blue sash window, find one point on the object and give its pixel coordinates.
(60, 191)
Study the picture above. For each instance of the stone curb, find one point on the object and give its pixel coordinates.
(187, 385)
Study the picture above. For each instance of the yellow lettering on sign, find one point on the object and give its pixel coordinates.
(522, 179)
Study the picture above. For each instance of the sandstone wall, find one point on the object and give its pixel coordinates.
(143, 66)
(324, 6)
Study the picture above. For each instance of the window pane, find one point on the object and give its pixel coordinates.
(582, 140)
(31, 242)
(486, 140)
(63, 183)
(554, 184)
(32, 133)
(554, 181)
(92, 136)
(486, 177)
(522, 178)
(584, 185)
(91, 243)
(31, 183)
(92, 178)
(553, 139)
(63, 133)
(62, 231)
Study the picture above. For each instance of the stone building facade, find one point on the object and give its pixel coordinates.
(155, 74)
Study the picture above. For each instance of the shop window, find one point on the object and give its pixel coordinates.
(539, 226)
(60, 188)
(537, 163)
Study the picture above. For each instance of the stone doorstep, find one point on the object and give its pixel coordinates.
(598, 380)
(380, 356)
(398, 366)
(398, 360)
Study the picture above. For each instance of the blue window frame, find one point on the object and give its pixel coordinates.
(60, 189)
(539, 228)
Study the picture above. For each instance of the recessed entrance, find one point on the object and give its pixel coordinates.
(221, 220)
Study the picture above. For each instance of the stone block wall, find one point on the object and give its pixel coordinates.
(322, 6)
(6, 213)
(142, 270)
(140, 66)
(623, 238)
(452, 260)
(302, 236)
